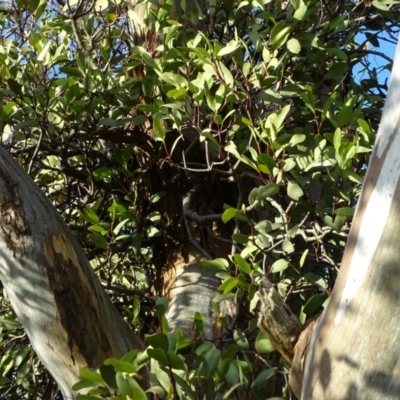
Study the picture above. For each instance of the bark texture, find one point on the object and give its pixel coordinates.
(285, 332)
(278, 323)
(354, 352)
(69, 319)
(192, 290)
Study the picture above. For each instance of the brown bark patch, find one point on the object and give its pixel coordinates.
(72, 296)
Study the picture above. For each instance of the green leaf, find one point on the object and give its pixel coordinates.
(266, 191)
(239, 238)
(337, 69)
(364, 126)
(230, 48)
(279, 34)
(101, 173)
(226, 74)
(314, 303)
(28, 123)
(293, 46)
(345, 211)
(198, 322)
(267, 160)
(300, 12)
(14, 86)
(110, 122)
(294, 191)
(182, 383)
(174, 79)
(158, 355)
(139, 120)
(44, 52)
(229, 284)
(223, 297)
(263, 344)
(33, 5)
(279, 265)
(297, 138)
(240, 339)
(242, 263)
(380, 5)
(92, 376)
(219, 264)
(157, 196)
(263, 377)
(108, 373)
(120, 366)
(147, 108)
(211, 354)
(158, 341)
(71, 71)
(287, 246)
(158, 128)
(290, 163)
(313, 278)
(89, 215)
(352, 176)
(82, 384)
(228, 214)
(149, 60)
(303, 257)
(124, 387)
(177, 94)
(337, 139)
(10, 324)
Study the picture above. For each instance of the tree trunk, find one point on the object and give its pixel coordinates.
(190, 289)
(354, 351)
(52, 288)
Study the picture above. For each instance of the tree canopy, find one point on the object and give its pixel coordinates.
(236, 133)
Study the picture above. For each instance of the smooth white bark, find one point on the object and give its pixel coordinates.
(354, 353)
(68, 317)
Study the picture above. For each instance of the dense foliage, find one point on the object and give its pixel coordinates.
(253, 108)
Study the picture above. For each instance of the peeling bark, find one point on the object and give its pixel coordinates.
(52, 288)
(285, 332)
(278, 323)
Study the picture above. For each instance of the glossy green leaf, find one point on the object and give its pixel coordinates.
(279, 265)
(229, 285)
(263, 345)
(120, 366)
(92, 376)
(242, 263)
(218, 264)
(294, 191)
(345, 211)
(158, 341)
(174, 79)
(287, 246)
(240, 339)
(263, 377)
(266, 191)
(228, 214)
(280, 33)
(314, 303)
(158, 128)
(293, 46)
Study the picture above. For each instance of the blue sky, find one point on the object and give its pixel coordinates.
(379, 63)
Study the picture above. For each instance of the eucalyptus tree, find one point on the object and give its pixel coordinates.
(191, 150)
